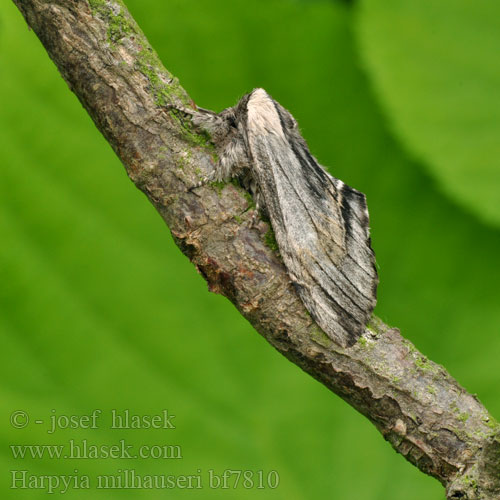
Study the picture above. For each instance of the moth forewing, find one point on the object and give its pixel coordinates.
(320, 223)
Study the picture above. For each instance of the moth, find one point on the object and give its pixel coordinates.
(321, 224)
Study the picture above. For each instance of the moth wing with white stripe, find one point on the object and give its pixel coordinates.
(321, 224)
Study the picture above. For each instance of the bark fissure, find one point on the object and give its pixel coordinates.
(415, 404)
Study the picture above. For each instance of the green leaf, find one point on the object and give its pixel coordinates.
(434, 65)
(99, 309)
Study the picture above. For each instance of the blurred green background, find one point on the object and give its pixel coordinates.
(99, 309)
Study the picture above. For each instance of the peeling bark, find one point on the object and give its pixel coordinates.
(416, 405)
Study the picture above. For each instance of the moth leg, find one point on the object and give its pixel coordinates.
(203, 119)
(211, 177)
(259, 205)
(231, 163)
(253, 220)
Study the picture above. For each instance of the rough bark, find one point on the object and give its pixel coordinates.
(416, 405)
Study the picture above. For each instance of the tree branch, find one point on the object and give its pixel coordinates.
(416, 405)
